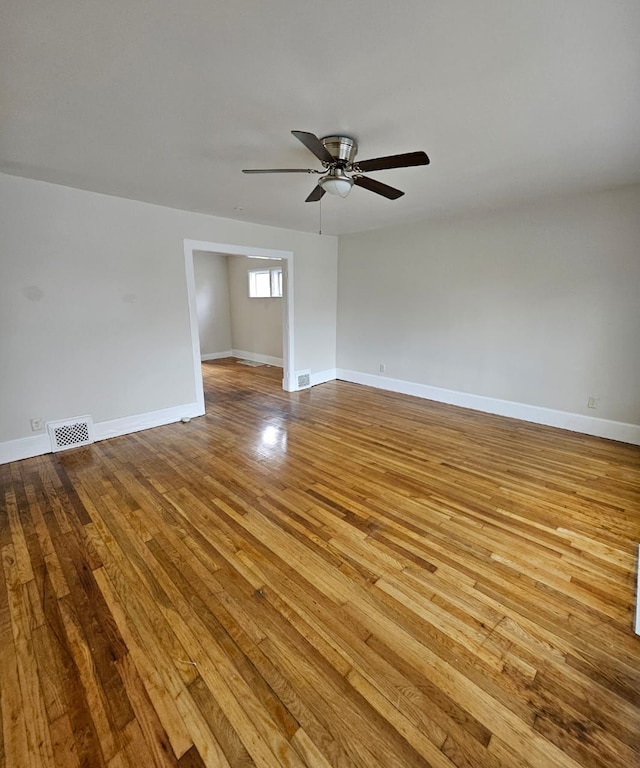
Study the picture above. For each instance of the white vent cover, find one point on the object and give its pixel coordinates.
(70, 433)
(303, 379)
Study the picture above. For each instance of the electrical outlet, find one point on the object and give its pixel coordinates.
(383, 368)
(592, 402)
(36, 424)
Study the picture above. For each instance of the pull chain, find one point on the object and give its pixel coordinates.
(320, 221)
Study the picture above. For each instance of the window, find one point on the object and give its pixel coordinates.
(265, 283)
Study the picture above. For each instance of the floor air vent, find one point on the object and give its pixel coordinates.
(303, 379)
(70, 433)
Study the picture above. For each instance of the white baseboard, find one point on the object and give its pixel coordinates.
(27, 447)
(216, 355)
(277, 362)
(574, 422)
(24, 448)
(103, 430)
(321, 377)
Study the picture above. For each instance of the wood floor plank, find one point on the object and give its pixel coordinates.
(38, 736)
(20, 550)
(66, 672)
(344, 643)
(234, 750)
(96, 695)
(14, 738)
(157, 690)
(334, 577)
(498, 719)
(64, 743)
(403, 724)
(150, 725)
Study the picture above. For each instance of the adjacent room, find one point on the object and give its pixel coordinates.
(320, 384)
(239, 306)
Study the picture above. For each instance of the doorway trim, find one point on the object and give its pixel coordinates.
(288, 370)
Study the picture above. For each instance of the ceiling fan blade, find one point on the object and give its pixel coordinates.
(313, 144)
(378, 187)
(279, 170)
(393, 161)
(315, 195)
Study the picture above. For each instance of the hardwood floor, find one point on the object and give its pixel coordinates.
(335, 577)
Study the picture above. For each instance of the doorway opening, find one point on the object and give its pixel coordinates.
(266, 256)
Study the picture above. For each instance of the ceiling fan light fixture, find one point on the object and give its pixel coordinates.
(336, 182)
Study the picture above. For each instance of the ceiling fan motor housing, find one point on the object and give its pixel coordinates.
(343, 148)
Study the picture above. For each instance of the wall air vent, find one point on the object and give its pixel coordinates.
(303, 379)
(70, 433)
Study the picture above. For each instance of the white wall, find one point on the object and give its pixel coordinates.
(537, 305)
(212, 301)
(256, 324)
(94, 313)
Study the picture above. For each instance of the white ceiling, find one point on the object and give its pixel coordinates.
(166, 102)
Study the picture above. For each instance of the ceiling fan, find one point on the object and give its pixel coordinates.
(341, 170)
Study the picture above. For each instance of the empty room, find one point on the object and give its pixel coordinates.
(319, 384)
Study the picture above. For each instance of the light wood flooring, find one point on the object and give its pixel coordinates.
(335, 577)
